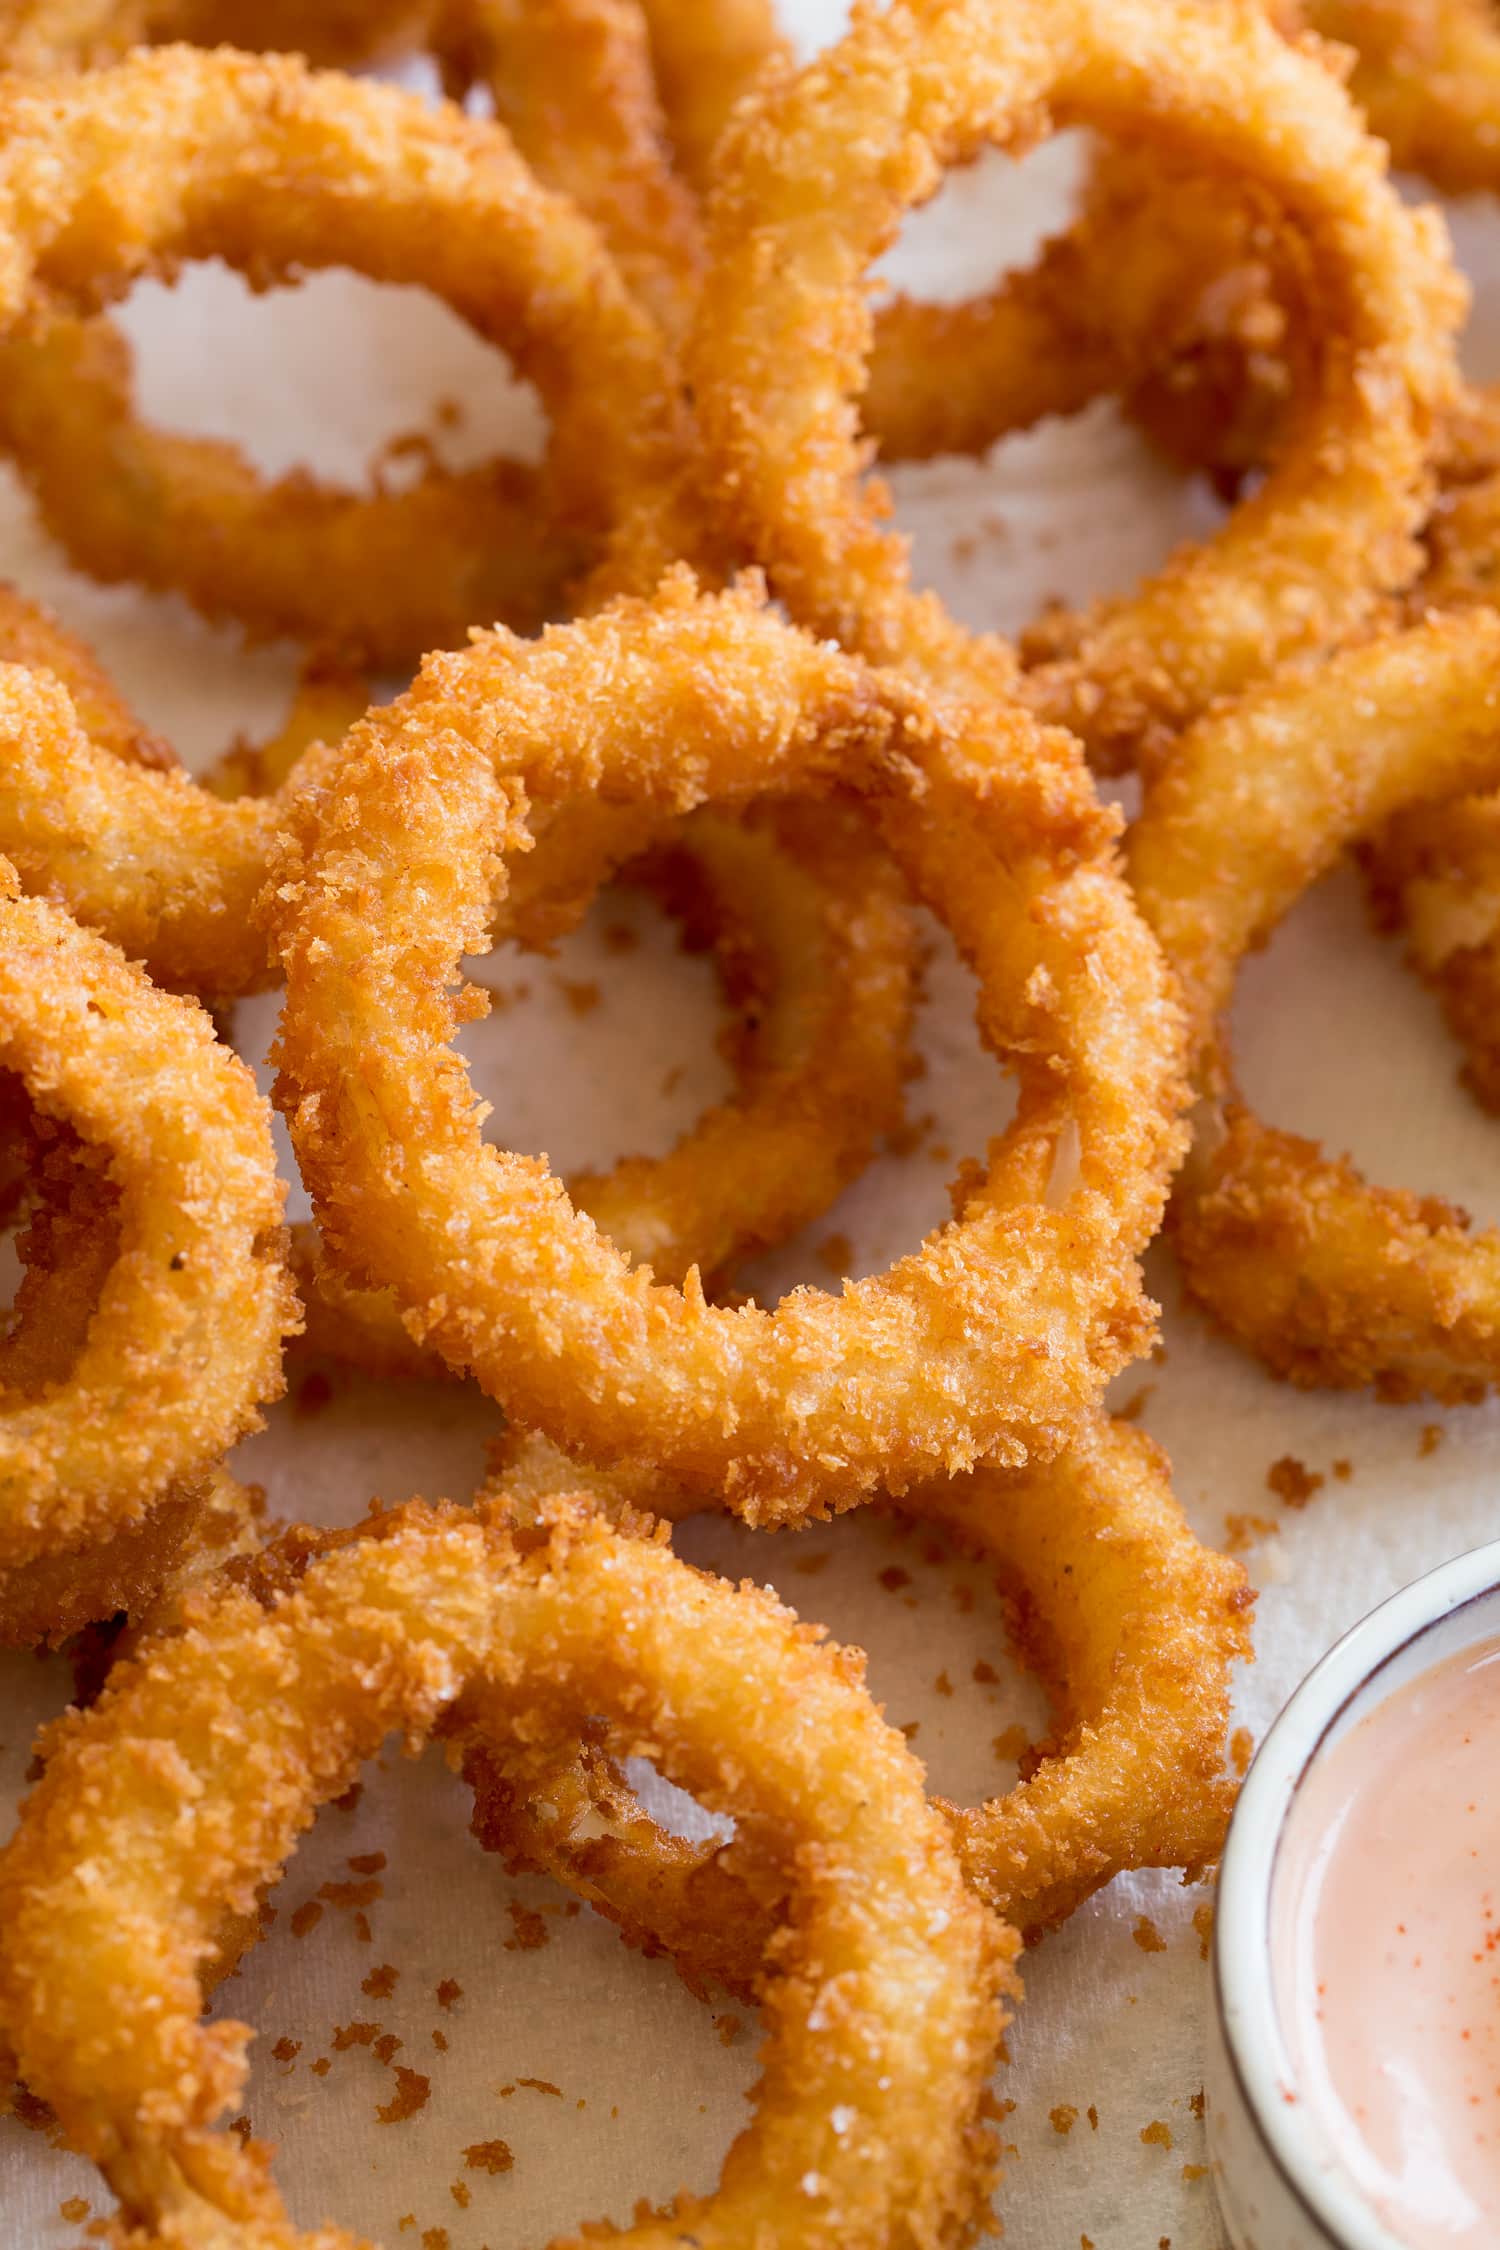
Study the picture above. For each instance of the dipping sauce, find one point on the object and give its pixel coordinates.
(1386, 1952)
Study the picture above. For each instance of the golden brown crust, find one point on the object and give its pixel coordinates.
(1327, 1279)
(273, 153)
(149, 1347)
(1141, 1626)
(818, 171)
(183, 1789)
(940, 1361)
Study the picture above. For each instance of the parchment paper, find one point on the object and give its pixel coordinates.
(602, 2077)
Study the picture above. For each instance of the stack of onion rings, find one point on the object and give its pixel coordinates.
(114, 1895)
(815, 175)
(1133, 1625)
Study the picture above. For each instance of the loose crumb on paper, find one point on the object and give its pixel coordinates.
(1293, 1482)
(413, 2093)
(489, 2156)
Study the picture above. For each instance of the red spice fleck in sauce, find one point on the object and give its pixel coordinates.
(1387, 1951)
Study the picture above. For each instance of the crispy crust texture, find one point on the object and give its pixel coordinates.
(277, 170)
(1326, 1279)
(989, 1341)
(573, 83)
(816, 955)
(921, 85)
(115, 1411)
(181, 1792)
(1134, 1626)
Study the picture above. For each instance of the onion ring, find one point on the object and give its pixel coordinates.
(991, 1339)
(816, 955)
(816, 174)
(274, 155)
(111, 1426)
(883, 1993)
(1134, 1625)
(1329, 1281)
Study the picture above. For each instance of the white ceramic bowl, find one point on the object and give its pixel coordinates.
(1280, 2184)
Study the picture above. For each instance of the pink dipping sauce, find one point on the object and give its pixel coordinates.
(1385, 1929)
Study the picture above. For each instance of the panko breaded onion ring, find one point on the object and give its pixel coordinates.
(816, 954)
(1133, 1624)
(184, 1344)
(882, 1994)
(815, 176)
(279, 170)
(1328, 1280)
(989, 1341)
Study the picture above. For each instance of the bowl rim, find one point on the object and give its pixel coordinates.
(1243, 1979)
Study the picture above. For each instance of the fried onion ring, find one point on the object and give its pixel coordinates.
(109, 1430)
(1329, 1281)
(882, 1993)
(279, 170)
(816, 957)
(988, 1342)
(815, 175)
(1132, 1623)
